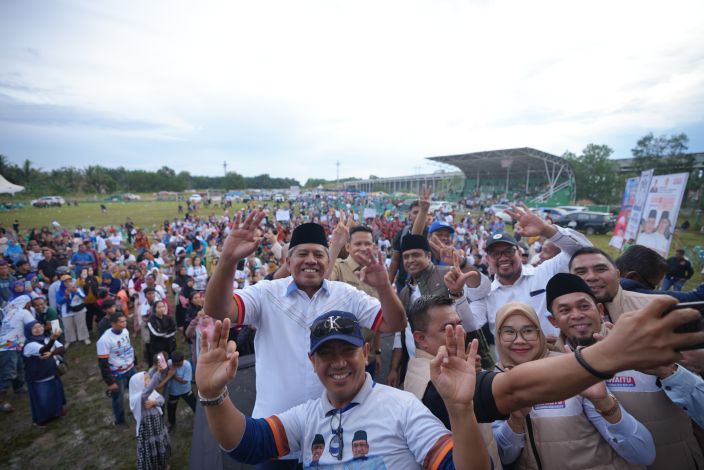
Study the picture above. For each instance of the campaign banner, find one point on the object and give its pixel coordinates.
(629, 197)
(661, 210)
(369, 212)
(283, 215)
(637, 209)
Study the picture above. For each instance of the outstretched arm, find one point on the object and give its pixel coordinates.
(216, 368)
(424, 204)
(240, 243)
(374, 274)
(641, 339)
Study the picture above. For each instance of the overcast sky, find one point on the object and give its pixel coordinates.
(289, 88)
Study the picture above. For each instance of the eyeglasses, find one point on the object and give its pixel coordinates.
(336, 442)
(528, 333)
(339, 324)
(508, 252)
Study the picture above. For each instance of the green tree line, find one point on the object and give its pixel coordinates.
(102, 180)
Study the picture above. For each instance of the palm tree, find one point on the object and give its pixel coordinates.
(27, 172)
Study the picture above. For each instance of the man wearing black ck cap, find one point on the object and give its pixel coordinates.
(516, 281)
(283, 310)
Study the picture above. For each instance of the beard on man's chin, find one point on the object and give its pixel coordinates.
(587, 341)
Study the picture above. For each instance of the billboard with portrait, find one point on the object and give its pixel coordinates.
(660, 211)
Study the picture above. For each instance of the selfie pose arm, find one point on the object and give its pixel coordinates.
(640, 339)
(240, 243)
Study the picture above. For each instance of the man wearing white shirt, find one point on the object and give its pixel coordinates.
(283, 310)
(516, 281)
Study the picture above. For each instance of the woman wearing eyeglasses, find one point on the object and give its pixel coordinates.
(587, 431)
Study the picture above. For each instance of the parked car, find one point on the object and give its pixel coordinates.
(444, 206)
(279, 198)
(132, 197)
(499, 210)
(49, 201)
(569, 209)
(586, 221)
(195, 197)
(553, 212)
(232, 197)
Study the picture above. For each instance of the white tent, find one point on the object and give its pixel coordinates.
(7, 187)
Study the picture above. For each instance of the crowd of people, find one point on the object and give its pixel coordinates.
(517, 346)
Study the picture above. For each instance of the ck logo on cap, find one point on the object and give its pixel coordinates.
(497, 236)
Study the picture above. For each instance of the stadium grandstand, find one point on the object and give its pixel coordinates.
(516, 174)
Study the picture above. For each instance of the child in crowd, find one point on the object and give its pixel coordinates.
(179, 376)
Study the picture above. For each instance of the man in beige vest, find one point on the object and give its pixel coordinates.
(659, 398)
(428, 317)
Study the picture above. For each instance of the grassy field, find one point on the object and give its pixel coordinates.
(144, 214)
(86, 438)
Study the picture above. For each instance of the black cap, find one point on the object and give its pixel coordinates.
(308, 233)
(318, 439)
(359, 436)
(562, 284)
(665, 215)
(412, 242)
(502, 237)
(652, 214)
(338, 325)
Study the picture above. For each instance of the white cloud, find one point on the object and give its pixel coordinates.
(377, 85)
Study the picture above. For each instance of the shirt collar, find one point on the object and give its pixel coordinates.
(354, 266)
(358, 399)
(526, 270)
(293, 287)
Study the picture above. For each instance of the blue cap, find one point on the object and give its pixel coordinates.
(335, 325)
(438, 224)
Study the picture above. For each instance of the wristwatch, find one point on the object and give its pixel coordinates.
(214, 401)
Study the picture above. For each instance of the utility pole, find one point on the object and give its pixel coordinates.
(224, 167)
(337, 177)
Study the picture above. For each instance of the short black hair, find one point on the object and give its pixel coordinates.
(115, 317)
(108, 303)
(418, 314)
(592, 250)
(646, 262)
(177, 356)
(360, 228)
(414, 204)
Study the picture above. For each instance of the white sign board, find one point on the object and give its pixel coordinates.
(282, 215)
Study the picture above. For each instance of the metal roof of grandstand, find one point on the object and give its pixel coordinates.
(496, 161)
